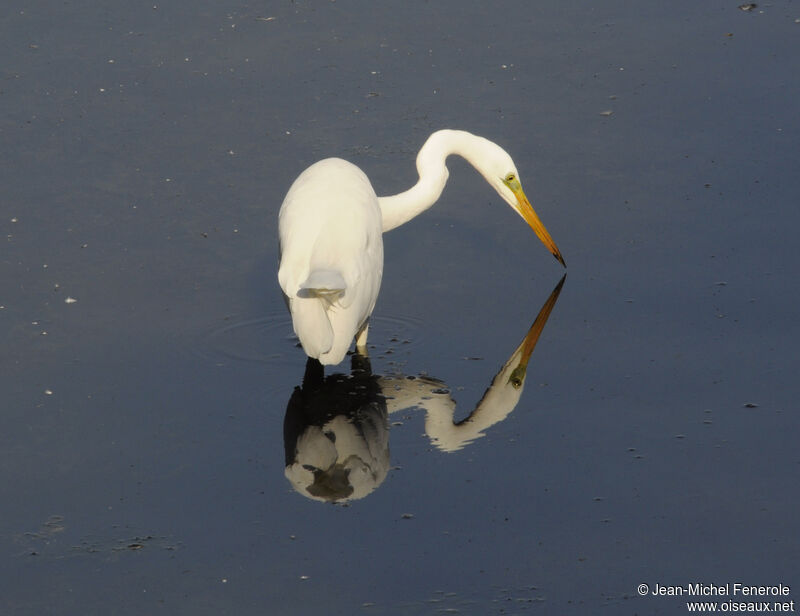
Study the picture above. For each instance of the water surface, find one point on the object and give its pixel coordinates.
(146, 151)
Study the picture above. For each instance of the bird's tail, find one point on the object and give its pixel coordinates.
(312, 326)
(310, 310)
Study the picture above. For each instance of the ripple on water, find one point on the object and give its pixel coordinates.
(270, 339)
(265, 339)
(391, 337)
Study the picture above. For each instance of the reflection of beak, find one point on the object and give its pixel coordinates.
(526, 210)
(525, 349)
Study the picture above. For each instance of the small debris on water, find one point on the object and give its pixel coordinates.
(407, 516)
(70, 300)
(748, 6)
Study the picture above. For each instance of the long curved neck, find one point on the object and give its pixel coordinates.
(399, 209)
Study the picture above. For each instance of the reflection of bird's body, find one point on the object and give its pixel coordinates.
(336, 433)
(330, 228)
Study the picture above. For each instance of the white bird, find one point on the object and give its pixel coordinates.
(330, 229)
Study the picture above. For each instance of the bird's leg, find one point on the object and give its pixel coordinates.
(361, 338)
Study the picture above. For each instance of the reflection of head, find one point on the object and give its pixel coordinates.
(497, 403)
(336, 434)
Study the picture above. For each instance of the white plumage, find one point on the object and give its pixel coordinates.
(331, 256)
(330, 228)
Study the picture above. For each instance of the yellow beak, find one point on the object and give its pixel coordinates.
(525, 209)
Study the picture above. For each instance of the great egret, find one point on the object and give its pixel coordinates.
(330, 229)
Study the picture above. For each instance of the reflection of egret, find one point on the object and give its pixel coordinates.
(330, 227)
(501, 397)
(335, 432)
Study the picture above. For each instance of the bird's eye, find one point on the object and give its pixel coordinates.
(510, 178)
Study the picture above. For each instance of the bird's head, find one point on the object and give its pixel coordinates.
(499, 170)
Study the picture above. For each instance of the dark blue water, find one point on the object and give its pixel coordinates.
(146, 151)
